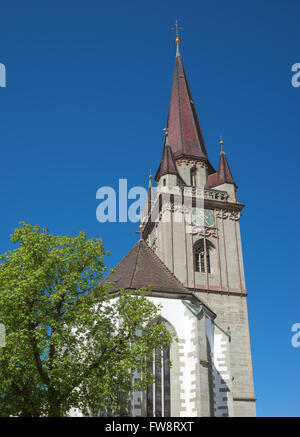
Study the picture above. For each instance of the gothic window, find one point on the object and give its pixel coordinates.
(202, 254)
(164, 182)
(158, 394)
(193, 177)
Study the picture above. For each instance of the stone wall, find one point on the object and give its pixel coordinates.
(232, 314)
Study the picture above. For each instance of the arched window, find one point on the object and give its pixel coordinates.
(202, 254)
(193, 177)
(164, 182)
(166, 386)
(158, 394)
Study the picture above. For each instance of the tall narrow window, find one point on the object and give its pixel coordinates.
(193, 177)
(158, 394)
(202, 256)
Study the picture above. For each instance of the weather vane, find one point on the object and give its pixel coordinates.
(177, 28)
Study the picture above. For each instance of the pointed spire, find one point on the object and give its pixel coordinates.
(185, 135)
(150, 193)
(223, 175)
(150, 179)
(150, 198)
(167, 163)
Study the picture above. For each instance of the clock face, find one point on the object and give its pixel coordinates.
(202, 217)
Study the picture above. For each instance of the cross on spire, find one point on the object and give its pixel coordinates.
(177, 28)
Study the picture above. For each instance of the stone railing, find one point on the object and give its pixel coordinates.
(199, 193)
(205, 193)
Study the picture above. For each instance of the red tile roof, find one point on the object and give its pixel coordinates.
(184, 130)
(167, 164)
(223, 175)
(141, 267)
(224, 172)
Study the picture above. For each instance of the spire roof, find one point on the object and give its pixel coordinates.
(167, 163)
(151, 194)
(185, 134)
(223, 175)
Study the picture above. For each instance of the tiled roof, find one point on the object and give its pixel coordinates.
(223, 175)
(224, 172)
(141, 267)
(184, 130)
(167, 164)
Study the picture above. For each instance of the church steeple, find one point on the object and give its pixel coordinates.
(185, 136)
(190, 251)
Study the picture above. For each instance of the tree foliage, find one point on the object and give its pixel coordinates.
(69, 343)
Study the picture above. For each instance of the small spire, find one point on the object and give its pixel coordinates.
(167, 163)
(150, 187)
(151, 195)
(223, 175)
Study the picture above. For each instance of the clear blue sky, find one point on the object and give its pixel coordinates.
(88, 86)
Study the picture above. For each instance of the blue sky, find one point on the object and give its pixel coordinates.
(88, 86)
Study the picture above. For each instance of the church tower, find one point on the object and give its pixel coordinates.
(193, 226)
(190, 252)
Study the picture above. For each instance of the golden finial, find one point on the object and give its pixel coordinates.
(150, 174)
(167, 136)
(177, 28)
(141, 227)
(221, 143)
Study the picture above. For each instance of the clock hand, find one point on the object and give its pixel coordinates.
(205, 219)
(203, 216)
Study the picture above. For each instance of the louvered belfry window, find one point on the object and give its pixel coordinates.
(202, 262)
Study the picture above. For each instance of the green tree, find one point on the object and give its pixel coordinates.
(69, 343)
